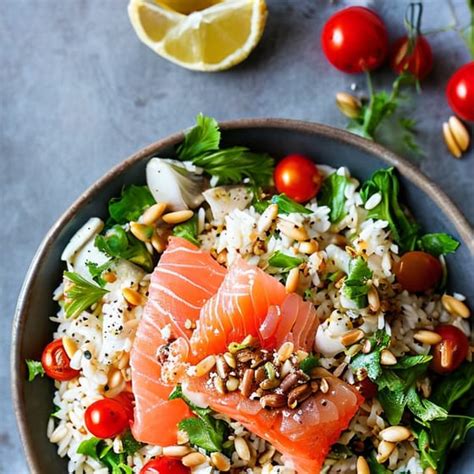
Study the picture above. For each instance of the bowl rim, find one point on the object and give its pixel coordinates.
(404, 167)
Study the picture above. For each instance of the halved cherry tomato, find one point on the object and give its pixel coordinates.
(56, 362)
(460, 92)
(366, 388)
(418, 60)
(165, 465)
(106, 418)
(355, 40)
(450, 353)
(418, 271)
(298, 177)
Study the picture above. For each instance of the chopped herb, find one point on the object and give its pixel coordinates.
(407, 362)
(131, 204)
(286, 205)
(56, 411)
(259, 204)
(204, 137)
(80, 295)
(438, 244)
(35, 368)
(283, 261)
(309, 363)
(130, 444)
(356, 284)
(332, 195)
(96, 271)
(371, 362)
(188, 230)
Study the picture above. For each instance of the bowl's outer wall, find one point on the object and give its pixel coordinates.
(35, 331)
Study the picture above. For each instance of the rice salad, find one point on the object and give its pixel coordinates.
(351, 251)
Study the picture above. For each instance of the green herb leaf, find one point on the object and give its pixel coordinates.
(188, 230)
(332, 195)
(288, 206)
(202, 138)
(356, 284)
(131, 204)
(35, 368)
(371, 362)
(424, 409)
(130, 444)
(89, 447)
(393, 403)
(438, 244)
(96, 271)
(375, 466)
(80, 295)
(403, 228)
(120, 244)
(309, 363)
(283, 261)
(407, 362)
(178, 393)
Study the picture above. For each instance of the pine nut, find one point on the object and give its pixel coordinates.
(133, 297)
(193, 459)
(158, 243)
(293, 280)
(285, 351)
(242, 448)
(373, 299)
(385, 449)
(232, 384)
(455, 307)
(460, 133)
(220, 462)
(109, 276)
(113, 392)
(246, 384)
(266, 219)
(153, 213)
(230, 359)
(273, 400)
(395, 434)
(222, 368)
(219, 385)
(176, 451)
(141, 231)
(115, 378)
(205, 365)
(292, 231)
(123, 361)
(309, 247)
(430, 470)
(178, 217)
(267, 455)
(222, 257)
(451, 143)
(427, 337)
(362, 466)
(348, 104)
(324, 385)
(301, 355)
(182, 437)
(70, 346)
(352, 336)
(340, 369)
(387, 358)
(367, 347)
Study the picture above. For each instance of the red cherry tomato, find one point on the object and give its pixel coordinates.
(366, 388)
(298, 177)
(106, 418)
(460, 92)
(165, 465)
(418, 61)
(355, 40)
(450, 353)
(56, 362)
(127, 400)
(418, 271)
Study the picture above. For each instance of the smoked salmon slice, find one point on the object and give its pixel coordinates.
(303, 435)
(182, 282)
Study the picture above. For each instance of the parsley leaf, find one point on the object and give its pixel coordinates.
(130, 444)
(371, 361)
(80, 295)
(188, 230)
(131, 204)
(286, 205)
(309, 363)
(438, 244)
(332, 195)
(407, 362)
(35, 368)
(89, 448)
(202, 138)
(356, 284)
(424, 409)
(283, 261)
(96, 271)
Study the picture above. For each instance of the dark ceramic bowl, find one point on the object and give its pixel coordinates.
(32, 329)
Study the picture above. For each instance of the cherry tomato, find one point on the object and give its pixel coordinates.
(418, 61)
(355, 40)
(460, 92)
(366, 388)
(56, 362)
(298, 177)
(418, 271)
(450, 353)
(165, 465)
(106, 418)
(127, 400)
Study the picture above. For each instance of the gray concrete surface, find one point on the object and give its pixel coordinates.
(79, 92)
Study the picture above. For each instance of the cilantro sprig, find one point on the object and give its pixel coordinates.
(35, 369)
(130, 205)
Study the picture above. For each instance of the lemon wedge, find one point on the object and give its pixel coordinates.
(204, 35)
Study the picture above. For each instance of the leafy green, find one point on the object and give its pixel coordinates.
(356, 284)
(422, 408)
(407, 362)
(35, 368)
(283, 261)
(96, 271)
(371, 361)
(130, 444)
(375, 466)
(437, 244)
(80, 295)
(188, 230)
(332, 195)
(455, 386)
(131, 204)
(286, 205)
(205, 431)
(258, 203)
(89, 447)
(121, 244)
(309, 363)
(202, 138)
(403, 228)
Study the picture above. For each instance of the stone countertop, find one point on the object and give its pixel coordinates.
(79, 92)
